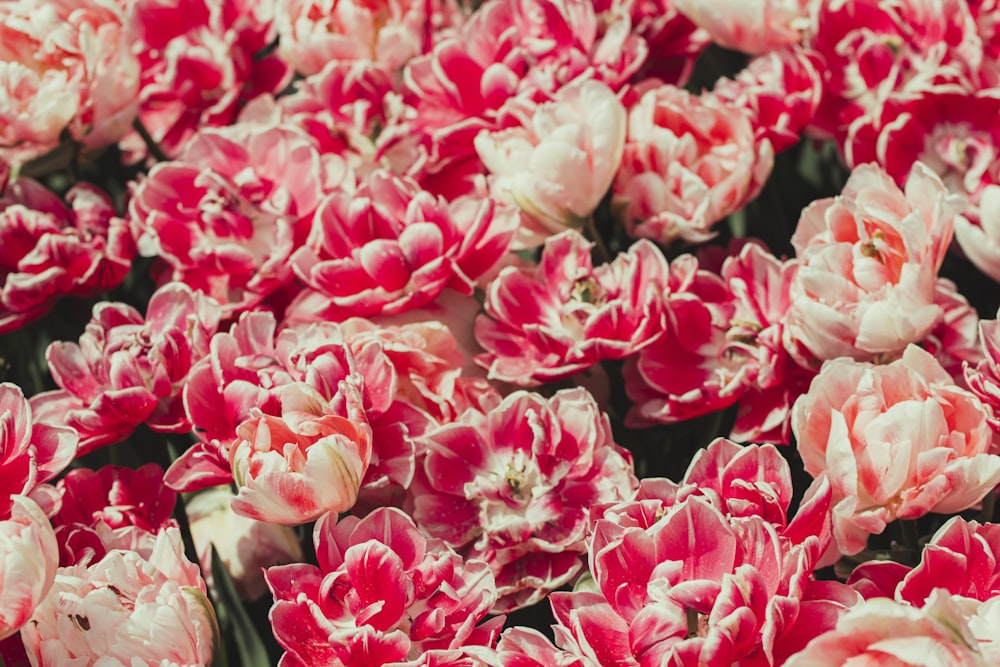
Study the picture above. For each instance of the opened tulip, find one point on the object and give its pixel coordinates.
(29, 556)
(559, 164)
(293, 468)
(896, 441)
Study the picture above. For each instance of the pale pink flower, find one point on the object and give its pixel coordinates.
(293, 468)
(383, 594)
(127, 607)
(565, 315)
(50, 249)
(245, 546)
(868, 262)
(391, 246)
(128, 369)
(201, 61)
(514, 486)
(312, 33)
(227, 215)
(895, 442)
(65, 66)
(28, 561)
(885, 632)
(751, 26)
(689, 161)
(30, 453)
(559, 162)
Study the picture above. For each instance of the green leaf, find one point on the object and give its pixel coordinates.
(233, 619)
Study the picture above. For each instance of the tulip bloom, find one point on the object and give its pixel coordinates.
(28, 560)
(294, 468)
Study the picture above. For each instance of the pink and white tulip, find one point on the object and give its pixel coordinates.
(391, 247)
(514, 487)
(868, 263)
(128, 369)
(128, 606)
(383, 594)
(895, 442)
(65, 67)
(565, 315)
(28, 561)
(50, 248)
(227, 215)
(293, 468)
(559, 162)
(202, 60)
(689, 161)
(706, 572)
(30, 453)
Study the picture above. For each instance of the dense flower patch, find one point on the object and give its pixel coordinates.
(500, 333)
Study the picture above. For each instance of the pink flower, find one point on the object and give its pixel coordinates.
(962, 557)
(689, 161)
(247, 368)
(28, 561)
(984, 378)
(129, 369)
(884, 632)
(706, 572)
(565, 315)
(780, 92)
(64, 67)
(383, 594)
(126, 607)
(683, 373)
(673, 41)
(874, 51)
(226, 217)
(868, 267)
(427, 361)
(49, 250)
(309, 461)
(30, 453)
(314, 32)
(559, 162)
(514, 487)
(201, 61)
(895, 441)
(115, 496)
(507, 48)
(392, 246)
(245, 546)
(754, 26)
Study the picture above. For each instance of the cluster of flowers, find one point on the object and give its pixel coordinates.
(385, 306)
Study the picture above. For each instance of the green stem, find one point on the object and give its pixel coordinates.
(147, 138)
(590, 231)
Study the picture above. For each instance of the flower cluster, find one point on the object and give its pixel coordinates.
(375, 324)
